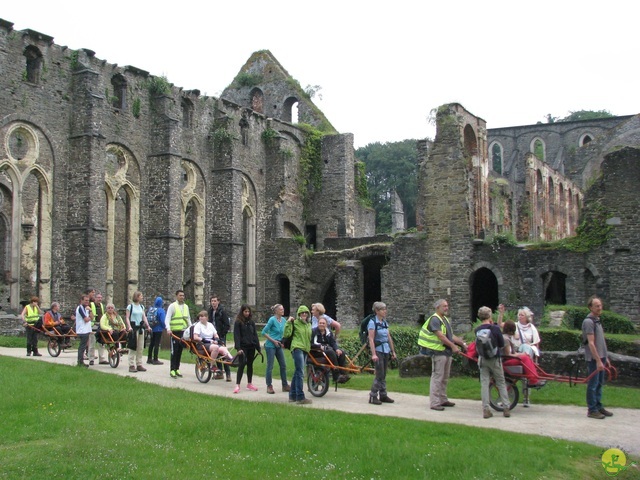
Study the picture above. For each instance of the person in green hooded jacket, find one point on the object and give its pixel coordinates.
(300, 346)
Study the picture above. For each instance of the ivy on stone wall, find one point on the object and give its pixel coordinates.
(592, 232)
(310, 176)
(135, 107)
(245, 79)
(362, 190)
(269, 136)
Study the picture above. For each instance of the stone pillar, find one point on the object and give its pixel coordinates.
(349, 293)
(86, 234)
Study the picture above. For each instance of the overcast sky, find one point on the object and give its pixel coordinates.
(382, 66)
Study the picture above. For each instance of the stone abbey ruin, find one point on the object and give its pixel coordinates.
(113, 178)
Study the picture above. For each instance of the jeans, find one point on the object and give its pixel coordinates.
(594, 386)
(297, 382)
(278, 353)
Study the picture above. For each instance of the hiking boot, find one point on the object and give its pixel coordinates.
(292, 400)
(270, 389)
(173, 374)
(387, 399)
(37, 354)
(596, 415)
(374, 400)
(506, 412)
(133, 369)
(438, 408)
(286, 388)
(486, 413)
(304, 401)
(448, 404)
(252, 387)
(606, 413)
(228, 378)
(140, 368)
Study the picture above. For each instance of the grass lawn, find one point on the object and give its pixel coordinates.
(65, 422)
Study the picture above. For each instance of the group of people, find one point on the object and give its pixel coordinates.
(516, 344)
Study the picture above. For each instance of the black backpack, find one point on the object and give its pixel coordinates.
(484, 343)
(364, 327)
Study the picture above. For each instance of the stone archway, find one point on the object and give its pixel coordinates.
(483, 284)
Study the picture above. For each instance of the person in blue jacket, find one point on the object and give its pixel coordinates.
(156, 316)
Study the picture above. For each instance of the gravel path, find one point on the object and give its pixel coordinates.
(567, 423)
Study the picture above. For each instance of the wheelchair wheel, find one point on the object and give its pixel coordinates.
(53, 347)
(114, 357)
(494, 396)
(317, 380)
(203, 372)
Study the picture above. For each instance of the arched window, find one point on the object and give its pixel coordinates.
(496, 157)
(538, 148)
(290, 110)
(34, 63)
(119, 84)
(187, 113)
(256, 98)
(584, 139)
(470, 141)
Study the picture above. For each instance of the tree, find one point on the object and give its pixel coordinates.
(580, 115)
(391, 166)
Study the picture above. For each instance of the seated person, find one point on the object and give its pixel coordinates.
(322, 341)
(205, 333)
(526, 338)
(513, 357)
(113, 324)
(53, 320)
(317, 312)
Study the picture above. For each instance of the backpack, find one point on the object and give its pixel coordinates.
(188, 333)
(152, 317)
(364, 327)
(484, 344)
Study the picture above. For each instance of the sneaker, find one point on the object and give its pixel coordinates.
(237, 389)
(597, 415)
(486, 413)
(37, 354)
(448, 404)
(286, 388)
(173, 374)
(140, 368)
(252, 387)
(228, 378)
(506, 412)
(28, 354)
(304, 401)
(386, 399)
(157, 362)
(132, 369)
(606, 413)
(218, 375)
(437, 408)
(526, 404)
(292, 400)
(270, 389)
(178, 373)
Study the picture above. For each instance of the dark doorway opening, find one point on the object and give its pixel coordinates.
(372, 273)
(554, 284)
(284, 293)
(329, 300)
(484, 291)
